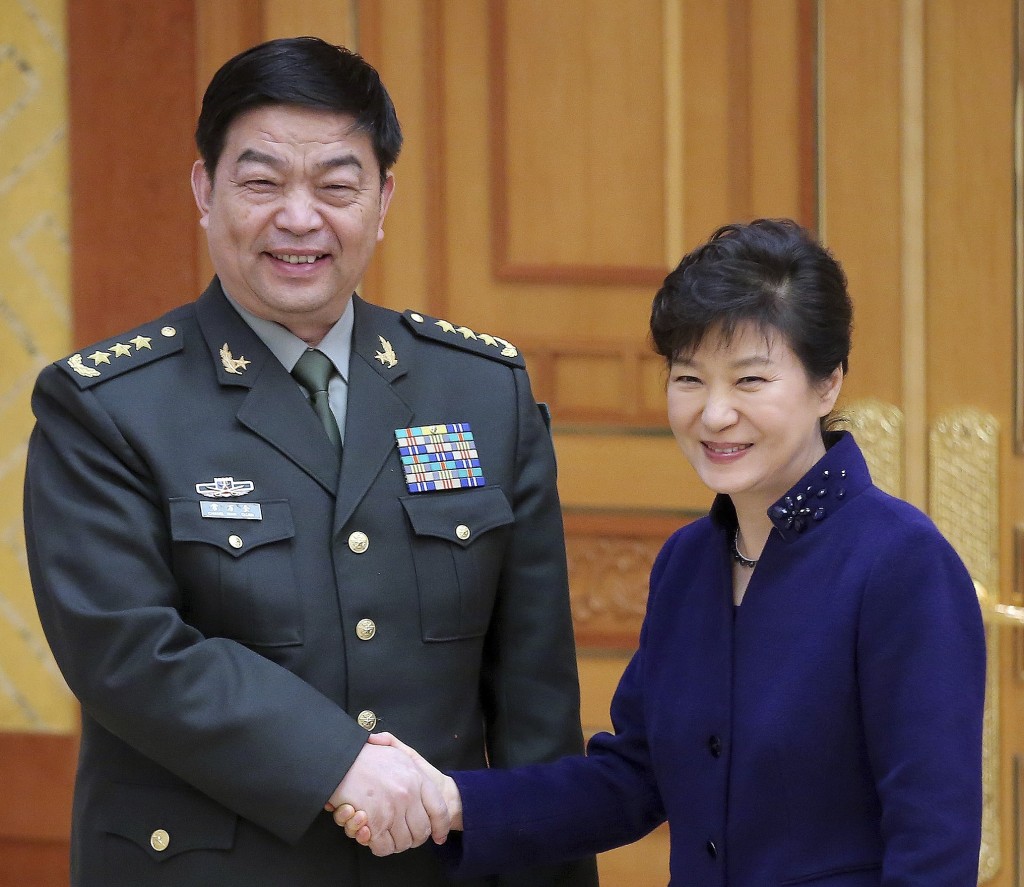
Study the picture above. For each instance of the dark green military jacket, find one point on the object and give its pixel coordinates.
(235, 607)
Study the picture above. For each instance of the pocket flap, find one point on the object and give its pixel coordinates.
(458, 517)
(166, 821)
(189, 525)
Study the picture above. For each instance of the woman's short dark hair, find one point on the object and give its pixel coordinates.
(770, 272)
(303, 71)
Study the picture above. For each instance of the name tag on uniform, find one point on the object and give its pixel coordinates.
(232, 510)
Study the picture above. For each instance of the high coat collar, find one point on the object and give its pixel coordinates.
(835, 479)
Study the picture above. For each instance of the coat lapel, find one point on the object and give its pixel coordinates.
(274, 408)
(374, 408)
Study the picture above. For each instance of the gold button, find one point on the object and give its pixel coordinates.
(367, 719)
(365, 629)
(462, 531)
(168, 331)
(358, 542)
(235, 541)
(417, 317)
(159, 840)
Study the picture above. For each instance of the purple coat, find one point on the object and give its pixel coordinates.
(826, 732)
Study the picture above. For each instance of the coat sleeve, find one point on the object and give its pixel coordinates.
(573, 807)
(238, 727)
(921, 661)
(530, 685)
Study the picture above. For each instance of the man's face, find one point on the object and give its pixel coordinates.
(293, 213)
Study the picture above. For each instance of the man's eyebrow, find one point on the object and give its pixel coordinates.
(338, 162)
(251, 155)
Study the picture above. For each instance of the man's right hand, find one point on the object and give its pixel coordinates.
(356, 822)
(402, 806)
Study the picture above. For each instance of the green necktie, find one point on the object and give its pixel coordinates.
(313, 372)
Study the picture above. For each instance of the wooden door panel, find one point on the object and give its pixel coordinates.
(559, 161)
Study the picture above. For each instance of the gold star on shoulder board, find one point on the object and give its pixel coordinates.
(141, 342)
(467, 333)
(234, 365)
(98, 357)
(488, 340)
(121, 350)
(447, 327)
(387, 356)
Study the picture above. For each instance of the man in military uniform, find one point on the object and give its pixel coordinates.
(280, 517)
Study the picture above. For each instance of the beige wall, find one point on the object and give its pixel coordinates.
(34, 326)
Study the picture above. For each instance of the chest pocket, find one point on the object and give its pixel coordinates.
(459, 541)
(238, 576)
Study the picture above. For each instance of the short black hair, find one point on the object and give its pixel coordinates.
(769, 272)
(302, 71)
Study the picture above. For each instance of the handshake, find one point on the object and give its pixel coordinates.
(392, 799)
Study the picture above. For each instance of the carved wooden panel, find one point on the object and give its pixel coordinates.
(610, 556)
(963, 500)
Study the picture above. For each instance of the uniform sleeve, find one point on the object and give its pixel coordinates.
(238, 727)
(921, 660)
(530, 686)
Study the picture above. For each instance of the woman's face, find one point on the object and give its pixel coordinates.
(746, 416)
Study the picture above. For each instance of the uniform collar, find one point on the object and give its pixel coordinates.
(288, 348)
(380, 339)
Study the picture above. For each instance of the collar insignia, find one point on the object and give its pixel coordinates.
(387, 356)
(234, 365)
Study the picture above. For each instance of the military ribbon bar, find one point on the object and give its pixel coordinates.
(439, 457)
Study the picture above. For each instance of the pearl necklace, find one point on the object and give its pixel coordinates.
(738, 557)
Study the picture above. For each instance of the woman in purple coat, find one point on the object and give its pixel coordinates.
(805, 706)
